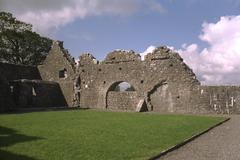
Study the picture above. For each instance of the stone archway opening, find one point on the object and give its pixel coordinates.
(121, 95)
(123, 87)
(160, 98)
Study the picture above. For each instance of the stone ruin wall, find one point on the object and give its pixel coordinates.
(58, 60)
(10, 72)
(32, 87)
(220, 99)
(162, 80)
(37, 94)
(23, 87)
(123, 101)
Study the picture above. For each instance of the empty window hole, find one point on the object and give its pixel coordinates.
(63, 73)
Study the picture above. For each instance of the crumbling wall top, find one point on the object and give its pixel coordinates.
(118, 56)
(87, 58)
(161, 53)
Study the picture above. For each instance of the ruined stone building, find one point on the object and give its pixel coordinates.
(161, 82)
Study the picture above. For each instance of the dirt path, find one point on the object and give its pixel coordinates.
(221, 143)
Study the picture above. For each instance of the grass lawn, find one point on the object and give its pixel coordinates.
(88, 134)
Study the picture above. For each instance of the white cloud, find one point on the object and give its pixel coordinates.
(150, 49)
(46, 16)
(218, 63)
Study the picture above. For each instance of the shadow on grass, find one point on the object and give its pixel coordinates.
(10, 137)
(12, 156)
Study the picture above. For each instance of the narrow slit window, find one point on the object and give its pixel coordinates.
(33, 91)
(63, 73)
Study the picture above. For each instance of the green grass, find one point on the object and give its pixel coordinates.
(87, 134)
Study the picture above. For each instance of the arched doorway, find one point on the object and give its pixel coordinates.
(122, 87)
(121, 95)
(160, 98)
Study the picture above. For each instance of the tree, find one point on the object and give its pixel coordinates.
(19, 44)
(117, 88)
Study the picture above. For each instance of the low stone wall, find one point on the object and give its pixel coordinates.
(36, 93)
(221, 99)
(122, 100)
(11, 72)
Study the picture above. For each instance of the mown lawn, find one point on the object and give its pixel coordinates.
(88, 134)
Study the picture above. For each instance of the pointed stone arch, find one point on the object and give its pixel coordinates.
(151, 91)
(160, 98)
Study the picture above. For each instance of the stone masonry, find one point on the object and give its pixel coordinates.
(162, 82)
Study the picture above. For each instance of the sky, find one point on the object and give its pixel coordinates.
(206, 33)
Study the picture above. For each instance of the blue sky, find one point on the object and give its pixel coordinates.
(205, 33)
(180, 23)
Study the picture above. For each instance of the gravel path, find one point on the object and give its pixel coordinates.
(221, 143)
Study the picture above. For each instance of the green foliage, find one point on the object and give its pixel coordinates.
(94, 135)
(18, 44)
(117, 88)
(8, 22)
